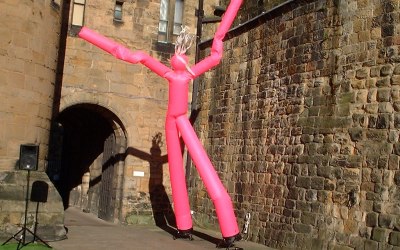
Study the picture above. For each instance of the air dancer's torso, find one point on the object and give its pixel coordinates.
(178, 93)
(178, 80)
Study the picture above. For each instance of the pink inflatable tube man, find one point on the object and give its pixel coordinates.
(177, 124)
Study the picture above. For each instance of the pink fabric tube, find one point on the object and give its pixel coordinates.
(177, 121)
(217, 192)
(177, 176)
(98, 40)
(123, 53)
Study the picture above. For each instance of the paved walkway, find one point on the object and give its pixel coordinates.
(87, 232)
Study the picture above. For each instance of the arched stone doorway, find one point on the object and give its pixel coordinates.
(85, 159)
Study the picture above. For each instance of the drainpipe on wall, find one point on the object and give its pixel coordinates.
(193, 106)
(53, 164)
(200, 15)
(61, 58)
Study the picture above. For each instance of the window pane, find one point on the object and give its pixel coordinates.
(117, 15)
(80, 1)
(118, 12)
(77, 16)
(178, 16)
(177, 28)
(164, 10)
(178, 11)
(162, 27)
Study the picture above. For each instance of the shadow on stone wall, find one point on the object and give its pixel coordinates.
(163, 213)
(161, 207)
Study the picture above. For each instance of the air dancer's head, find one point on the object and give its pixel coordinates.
(184, 41)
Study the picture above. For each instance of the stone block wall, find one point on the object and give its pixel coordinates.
(29, 39)
(301, 120)
(29, 42)
(13, 188)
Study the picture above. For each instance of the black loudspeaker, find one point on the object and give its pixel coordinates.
(28, 157)
(40, 191)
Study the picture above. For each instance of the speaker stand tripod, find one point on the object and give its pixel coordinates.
(20, 236)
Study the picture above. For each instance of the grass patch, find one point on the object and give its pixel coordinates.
(30, 246)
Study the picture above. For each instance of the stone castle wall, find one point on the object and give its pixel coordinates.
(301, 120)
(29, 42)
(27, 68)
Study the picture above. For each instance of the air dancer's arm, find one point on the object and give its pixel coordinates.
(123, 53)
(217, 47)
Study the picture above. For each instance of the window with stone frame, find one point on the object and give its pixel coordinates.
(78, 11)
(77, 16)
(171, 16)
(118, 11)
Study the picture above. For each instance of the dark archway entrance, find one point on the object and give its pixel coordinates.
(82, 161)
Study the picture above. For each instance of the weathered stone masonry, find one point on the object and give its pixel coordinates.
(302, 120)
(29, 43)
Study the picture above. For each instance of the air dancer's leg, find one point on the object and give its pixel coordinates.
(215, 188)
(177, 177)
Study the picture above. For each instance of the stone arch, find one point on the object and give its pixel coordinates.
(96, 99)
(82, 191)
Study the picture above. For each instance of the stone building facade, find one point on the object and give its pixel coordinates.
(107, 150)
(301, 119)
(29, 42)
(107, 101)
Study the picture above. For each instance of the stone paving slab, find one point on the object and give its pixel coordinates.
(87, 232)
